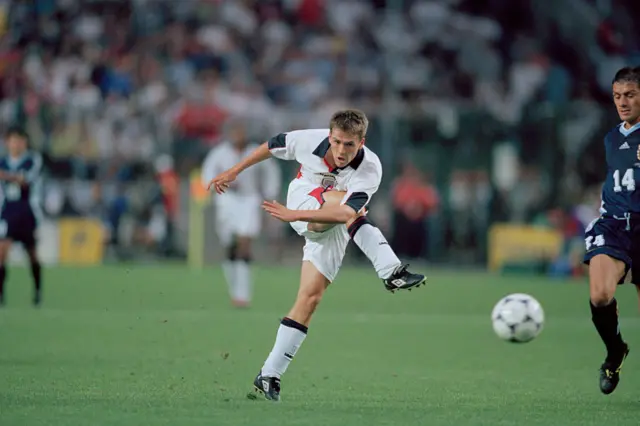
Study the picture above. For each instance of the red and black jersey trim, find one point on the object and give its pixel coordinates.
(317, 194)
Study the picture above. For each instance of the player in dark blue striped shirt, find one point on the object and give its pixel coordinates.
(613, 240)
(20, 182)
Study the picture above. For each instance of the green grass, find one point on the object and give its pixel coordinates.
(154, 345)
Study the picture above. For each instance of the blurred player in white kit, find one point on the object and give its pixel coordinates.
(238, 214)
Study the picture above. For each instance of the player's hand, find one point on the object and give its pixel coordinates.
(221, 182)
(279, 211)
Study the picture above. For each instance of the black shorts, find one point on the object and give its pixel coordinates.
(618, 238)
(20, 229)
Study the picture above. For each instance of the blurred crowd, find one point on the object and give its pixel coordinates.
(125, 97)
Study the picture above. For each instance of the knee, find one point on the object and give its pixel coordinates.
(308, 302)
(604, 275)
(232, 252)
(602, 291)
(318, 227)
(243, 249)
(600, 296)
(314, 227)
(333, 197)
(239, 251)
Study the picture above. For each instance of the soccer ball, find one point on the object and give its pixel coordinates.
(517, 318)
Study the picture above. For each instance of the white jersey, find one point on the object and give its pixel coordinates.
(261, 180)
(237, 211)
(360, 179)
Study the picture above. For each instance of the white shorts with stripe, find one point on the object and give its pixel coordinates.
(325, 250)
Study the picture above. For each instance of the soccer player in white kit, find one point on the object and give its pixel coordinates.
(326, 204)
(238, 217)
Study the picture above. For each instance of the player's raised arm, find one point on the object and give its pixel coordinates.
(221, 182)
(363, 185)
(329, 214)
(281, 146)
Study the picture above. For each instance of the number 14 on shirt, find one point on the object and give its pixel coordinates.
(627, 183)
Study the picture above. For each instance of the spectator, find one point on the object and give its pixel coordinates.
(414, 201)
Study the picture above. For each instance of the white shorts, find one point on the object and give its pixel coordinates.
(325, 250)
(237, 216)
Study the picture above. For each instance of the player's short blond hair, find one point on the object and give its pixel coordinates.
(351, 121)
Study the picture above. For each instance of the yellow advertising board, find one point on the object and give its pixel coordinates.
(81, 241)
(508, 243)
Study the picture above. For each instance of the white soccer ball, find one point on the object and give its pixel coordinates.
(517, 318)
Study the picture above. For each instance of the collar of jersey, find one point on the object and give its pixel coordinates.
(321, 151)
(630, 130)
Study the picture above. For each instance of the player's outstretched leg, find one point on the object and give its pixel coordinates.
(375, 246)
(36, 273)
(292, 332)
(604, 274)
(4, 251)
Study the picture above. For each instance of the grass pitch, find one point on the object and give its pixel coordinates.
(149, 345)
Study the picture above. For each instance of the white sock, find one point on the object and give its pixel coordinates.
(229, 270)
(289, 338)
(243, 281)
(375, 246)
